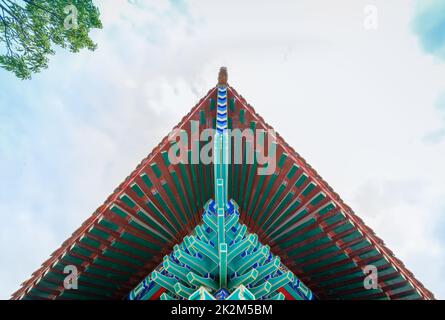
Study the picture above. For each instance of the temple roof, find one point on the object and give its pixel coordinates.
(294, 211)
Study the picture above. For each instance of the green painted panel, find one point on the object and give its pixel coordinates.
(120, 256)
(156, 169)
(358, 275)
(334, 219)
(363, 293)
(100, 292)
(204, 192)
(175, 202)
(145, 217)
(319, 197)
(161, 216)
(113, 265)
(360, 245)
(72, 259)
(292, 171)
(80, 250)
(181, 193)
(39, 293)
(127, 248)
(309, 246)
(71, 294)
(291, 222)
(394, 279)
(281, 206)
(167, 210)
(119, 211)
(232, 104)
(265, 195)
(252, 174)
(242, 116)
(343, 227)
(329, 207)
(300, 181)
(311, 186)
(319, 253)
(104, 273)
(109, 225)
(342, 287)
(188, 186)
(369, 254)
(90, 241)
(352, 236)
(272, 203)
(100, 233)
(382, 262)
(88, 279)
(146, 230)
(146, 179)
(300, 238)
(335, 270)
(241, 194)
(128, 201)
(202, 117)
(48, 284)
(290, 210)
(57, 277)
(258, 187)
(136, 188)
(282, 160)
(410, 296)
(142, 242)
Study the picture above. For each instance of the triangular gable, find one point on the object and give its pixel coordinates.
(294, 211)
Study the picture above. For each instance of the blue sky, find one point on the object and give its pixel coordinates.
(372, 102)
(429, 24)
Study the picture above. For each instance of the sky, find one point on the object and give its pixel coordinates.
(365, 107)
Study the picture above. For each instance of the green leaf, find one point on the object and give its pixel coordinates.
(30, 29)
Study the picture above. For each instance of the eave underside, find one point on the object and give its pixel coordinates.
(293, 210)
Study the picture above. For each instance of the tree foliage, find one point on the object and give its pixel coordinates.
(30, 29)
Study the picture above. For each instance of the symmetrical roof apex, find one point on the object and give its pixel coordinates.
(349, 248)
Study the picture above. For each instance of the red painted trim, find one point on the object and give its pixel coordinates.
(287, 295)
(158, 294)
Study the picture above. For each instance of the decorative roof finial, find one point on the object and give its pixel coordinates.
(222, 76)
